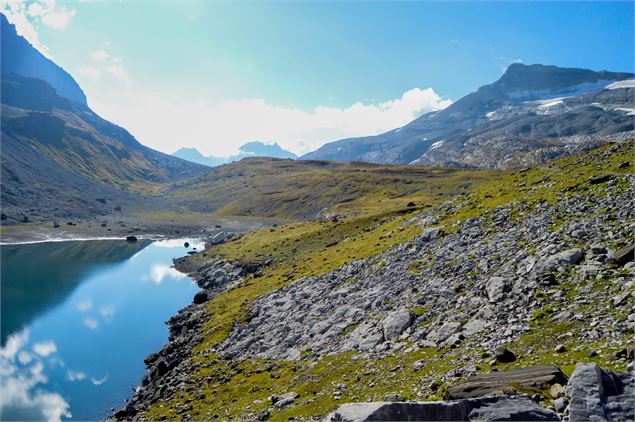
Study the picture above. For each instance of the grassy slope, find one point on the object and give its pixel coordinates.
(288, 189)
(227, 389)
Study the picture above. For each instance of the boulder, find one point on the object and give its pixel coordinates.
(218, 238)
(131, 238)
(504, 355)
(560, 404)
(600, 395)
(568, 257)
(624, 255)
(284, 399)
(200, 297)
(430, 233)
(495, 288)
(395, 323)
(556, 390)
(507, 382)
(518, 408)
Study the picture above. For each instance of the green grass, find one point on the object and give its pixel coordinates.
(288, 189)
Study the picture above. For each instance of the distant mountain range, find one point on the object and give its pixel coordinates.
(58, 157)
(531, 114)
(250, 149)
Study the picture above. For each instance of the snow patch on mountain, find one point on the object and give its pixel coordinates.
(627, 83)
(549, 94)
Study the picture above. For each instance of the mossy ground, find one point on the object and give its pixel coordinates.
(225, 389)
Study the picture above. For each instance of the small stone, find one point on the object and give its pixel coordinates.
(560, 404)
(556, 390)
(561, 348)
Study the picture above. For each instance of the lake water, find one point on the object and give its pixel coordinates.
(78, 318)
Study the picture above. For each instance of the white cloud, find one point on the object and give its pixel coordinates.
(22, 397)
(85, 306)
(45, 348)
(159, 272)
(221, 128)
(36, 9)
(99, 381)
(24, 357)
(100, 55)
(16, 13)
(73, 376)
(107, 311)
(56, 18)
(25, 16)
(14, 343)
(118, 71)
(91, 323)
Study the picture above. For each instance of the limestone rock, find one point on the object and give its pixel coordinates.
(507, 382)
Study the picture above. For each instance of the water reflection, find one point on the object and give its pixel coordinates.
(39, 276)
(78, 350)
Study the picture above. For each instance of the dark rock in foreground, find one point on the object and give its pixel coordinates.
(507, 382)
(131, 238)
(515, 408)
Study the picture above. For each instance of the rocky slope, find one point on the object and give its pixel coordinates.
(530, 115)
(533, 268)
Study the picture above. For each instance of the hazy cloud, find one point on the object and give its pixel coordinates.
(91, 323)
(221, 128)
(100, 55)
(85, 306)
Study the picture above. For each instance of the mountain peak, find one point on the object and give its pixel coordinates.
(525, 81)
(21, 58)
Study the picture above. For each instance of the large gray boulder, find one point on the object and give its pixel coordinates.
(395, 323)
(600, 395)
(496, 288)
(515, 408)
(568, 257)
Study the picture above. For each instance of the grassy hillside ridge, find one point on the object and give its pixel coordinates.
(288, 189)
(307, 249)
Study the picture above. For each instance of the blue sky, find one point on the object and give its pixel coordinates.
(306, 73)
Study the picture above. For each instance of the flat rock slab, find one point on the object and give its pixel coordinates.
(514, 408)
(506, 382)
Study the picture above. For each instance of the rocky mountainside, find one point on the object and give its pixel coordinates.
(60, 159)
(531, 114)
(250, 149)
(20, 58)
(524, 272)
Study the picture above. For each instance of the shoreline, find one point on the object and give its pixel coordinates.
(153, 237)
